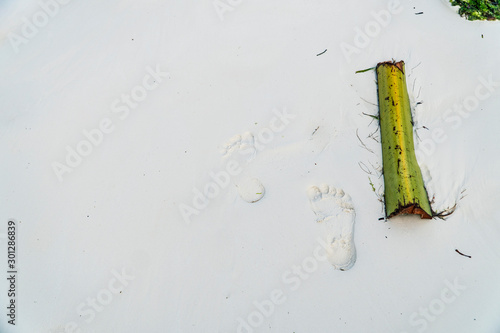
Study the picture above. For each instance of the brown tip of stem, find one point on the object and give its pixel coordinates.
(400, 64)
(412, 209)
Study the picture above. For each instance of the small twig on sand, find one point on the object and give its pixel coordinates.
(370, 115)
(445, 213)
(364, 70)
(416, 66)
(369, 102)
(363, 144)
(379, 169)
(315, 131)
(365, 168)
(321, 53)
(465, 255)
(371, 135)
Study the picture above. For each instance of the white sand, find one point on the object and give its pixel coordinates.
(102, 243)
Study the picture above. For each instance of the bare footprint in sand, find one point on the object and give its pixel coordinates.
(243, 145)
(241, 148)
(335, 212)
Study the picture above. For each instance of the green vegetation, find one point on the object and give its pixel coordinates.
(478, 9)
(404, 187)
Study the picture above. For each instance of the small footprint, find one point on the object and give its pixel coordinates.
(335, 212)
(241, 148)
(242, 144)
